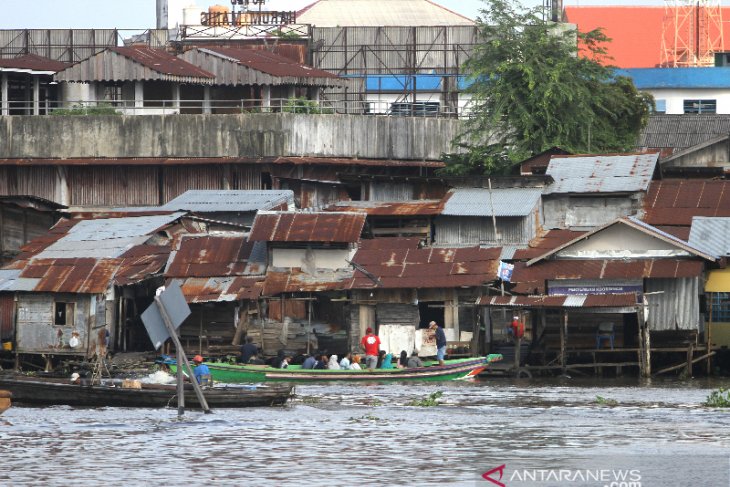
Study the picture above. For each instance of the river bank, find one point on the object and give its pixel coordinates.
(368, 434)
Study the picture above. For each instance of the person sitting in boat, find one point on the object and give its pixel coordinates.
(355, 365)
(386, 361)
(333, 363)
(402, 360)
(285, 363)
(248, 350)
(345, 362)
(321, 362)
(276, 361)
(309, 362)
(78, 380)
(414, 360)
(201, 372)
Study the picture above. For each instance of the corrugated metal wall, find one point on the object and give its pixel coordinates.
(42, 181)
(397, 314)
(113, 186)
(382, 191)
(36, 332)
(460, 230)
(178, 179)
(245, 176)
(392, 50)
(69, 45)
(676, 307)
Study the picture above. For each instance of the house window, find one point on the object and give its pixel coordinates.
(660, 106)
(700, 106)
(63, 314)
(721, 307)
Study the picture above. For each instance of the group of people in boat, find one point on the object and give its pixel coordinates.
(375, 358)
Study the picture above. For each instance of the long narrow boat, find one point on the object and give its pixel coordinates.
(46, 392)
(4, 400)
(452, 369)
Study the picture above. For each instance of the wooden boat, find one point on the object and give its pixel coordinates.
(4, 400)
(45, 392)
(452, 369)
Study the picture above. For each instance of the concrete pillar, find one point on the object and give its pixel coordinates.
(138, 97)
(176, 97)
(266, 98)
(314, 93)
(92, 93)
(292, 91)
(36, 96)
(206, 100)
(4, 103)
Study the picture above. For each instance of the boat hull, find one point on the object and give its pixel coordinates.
(47, 392)
(451, 370)
(4, 401)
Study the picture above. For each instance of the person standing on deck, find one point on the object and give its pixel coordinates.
(440, 342)
(371, 344)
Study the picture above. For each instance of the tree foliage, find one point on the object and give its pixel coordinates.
(532, 91)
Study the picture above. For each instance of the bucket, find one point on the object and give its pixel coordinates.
(8, 346)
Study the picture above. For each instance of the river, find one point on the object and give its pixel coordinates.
(369, 435)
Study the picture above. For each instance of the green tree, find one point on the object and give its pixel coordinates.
(532, 91)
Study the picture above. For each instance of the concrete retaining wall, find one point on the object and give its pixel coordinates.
(245, 135)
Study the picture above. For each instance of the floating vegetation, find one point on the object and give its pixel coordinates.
(309, 399)
(718, 399)
(431, 400)
(364, 419)
(373, 402)
(606, 401)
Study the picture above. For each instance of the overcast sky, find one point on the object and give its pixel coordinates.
(140, 14)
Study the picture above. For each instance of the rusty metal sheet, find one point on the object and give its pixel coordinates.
(203, 290)
(389, 243)
(390, 208)
(210, 256)
(543, 301)
(294, 280)
(307, 227)
(271, 63)
(545, 243)
(33, 62)
(161, 61)
(675, 202)
(7, 316)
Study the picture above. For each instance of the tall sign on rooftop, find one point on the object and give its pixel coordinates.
(692, 33)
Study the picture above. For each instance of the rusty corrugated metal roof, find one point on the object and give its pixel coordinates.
(68, 275)
(573, 301)
(32, 62)
(294, 280)
(307, 227)
(390, 208)
(217, 289)
(161, 61)
(531, 280)
(210, 256)
(270, 63)
(426, 268)
(545, 243)
(605, 173)
(675, 202)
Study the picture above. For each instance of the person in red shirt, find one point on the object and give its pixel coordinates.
(371, 344)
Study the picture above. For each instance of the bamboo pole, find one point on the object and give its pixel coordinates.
(684, 364)
(181, 359)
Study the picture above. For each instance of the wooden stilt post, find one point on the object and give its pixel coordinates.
(690, 357)
(709, 337)
(182, 360)
(647, 352)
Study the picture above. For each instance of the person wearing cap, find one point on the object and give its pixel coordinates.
(371, 344)
(440, 342)
(201, 372)
(75, 378)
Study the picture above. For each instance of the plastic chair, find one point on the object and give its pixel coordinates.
(605, 332)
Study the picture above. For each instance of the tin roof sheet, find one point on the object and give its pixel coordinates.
(32, 63)
(219, 289)
(712, 234)
(295, 280)
(531, 280)
(677, 201)
(201, 201)
(390, 208)
(105, 237)
(269, 62)
(425, 268)
(545, 243)
(601, 173)
(307, 227)
(677, 132)
(573, 301)
(212, 256)
(161, 61)
(503, 201)
(378, 13)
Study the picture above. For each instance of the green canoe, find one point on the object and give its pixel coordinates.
(452, 369)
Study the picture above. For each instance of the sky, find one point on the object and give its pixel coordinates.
(140, 14)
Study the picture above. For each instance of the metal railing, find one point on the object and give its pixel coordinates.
(424, 109)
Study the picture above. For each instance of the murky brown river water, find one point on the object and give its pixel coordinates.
(367, 435)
